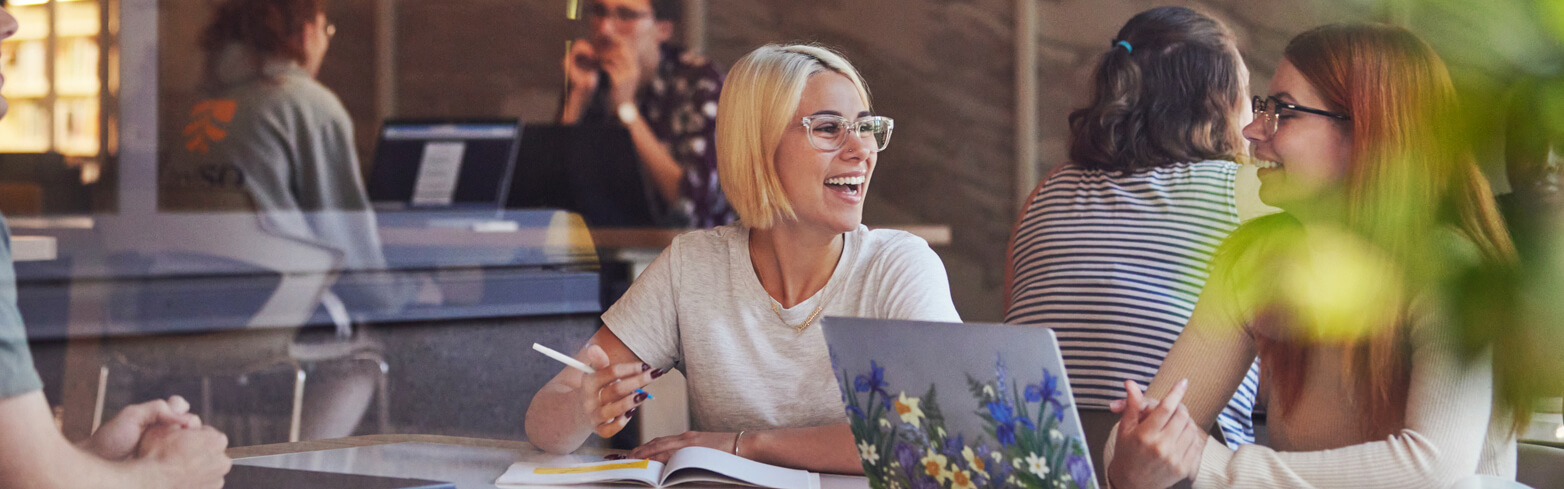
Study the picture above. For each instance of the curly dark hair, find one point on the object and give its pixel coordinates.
(269, 27)
(1166, 98)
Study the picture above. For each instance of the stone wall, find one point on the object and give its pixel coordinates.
(945, 69)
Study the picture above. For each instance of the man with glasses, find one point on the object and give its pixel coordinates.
(627, 72)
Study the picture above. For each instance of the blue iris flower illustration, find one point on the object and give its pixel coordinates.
(1004, 416)
(875, 382)
(1047, 391)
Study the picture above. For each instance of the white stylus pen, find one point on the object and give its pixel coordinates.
(573, 363)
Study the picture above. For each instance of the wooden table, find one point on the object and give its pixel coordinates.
(372, 440)
(470, 463)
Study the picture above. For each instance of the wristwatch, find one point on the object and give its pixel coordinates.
(628, 113)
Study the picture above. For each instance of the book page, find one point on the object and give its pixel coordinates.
(701, 464)
(523, 474)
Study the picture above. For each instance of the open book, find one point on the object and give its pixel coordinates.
(689, 464)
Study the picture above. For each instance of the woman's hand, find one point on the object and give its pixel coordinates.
(662, 448)
(609, 397)
(1158, 444)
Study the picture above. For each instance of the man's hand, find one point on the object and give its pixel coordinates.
(624, 70)
(117, 439)
(185, 458)
(581, 65)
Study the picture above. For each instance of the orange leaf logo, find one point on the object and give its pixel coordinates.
(207, 121)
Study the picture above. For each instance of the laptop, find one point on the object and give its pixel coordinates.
(592, 170)
(253, 477)
(443, 164)
(958, 405)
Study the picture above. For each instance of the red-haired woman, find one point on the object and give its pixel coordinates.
(1339, 297)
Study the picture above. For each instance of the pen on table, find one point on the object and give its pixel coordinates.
(573, 363)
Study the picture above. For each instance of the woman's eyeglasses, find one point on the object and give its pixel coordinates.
(829, 132)
(1267, 110)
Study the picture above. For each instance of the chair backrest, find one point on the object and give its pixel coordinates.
(1539, 466)
(1096, 424)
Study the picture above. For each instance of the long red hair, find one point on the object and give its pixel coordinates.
(1410, 175)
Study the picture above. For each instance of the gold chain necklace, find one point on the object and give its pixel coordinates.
(807, 321)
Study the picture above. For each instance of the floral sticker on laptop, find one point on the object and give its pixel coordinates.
(903, 442)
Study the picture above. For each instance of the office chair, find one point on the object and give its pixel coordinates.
(263, 341)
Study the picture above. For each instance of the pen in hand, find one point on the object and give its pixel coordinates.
(573, 363)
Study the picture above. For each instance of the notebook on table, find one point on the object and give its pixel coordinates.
(958, 405)
(687, 466)
(252, 477)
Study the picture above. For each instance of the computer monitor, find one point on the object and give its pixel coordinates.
(591, 170)
(443, 164)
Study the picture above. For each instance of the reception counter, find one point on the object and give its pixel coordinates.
(472, 292)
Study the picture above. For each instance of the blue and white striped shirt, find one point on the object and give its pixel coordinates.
(1114, 264)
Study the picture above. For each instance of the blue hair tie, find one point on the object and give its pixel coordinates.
(1127, 47)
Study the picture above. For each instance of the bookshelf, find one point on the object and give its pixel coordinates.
(52, 78)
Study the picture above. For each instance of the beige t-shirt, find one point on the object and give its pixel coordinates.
(700, 307)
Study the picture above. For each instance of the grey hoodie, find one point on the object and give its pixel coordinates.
(272, 130)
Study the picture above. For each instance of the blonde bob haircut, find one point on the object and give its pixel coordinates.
(756, 108)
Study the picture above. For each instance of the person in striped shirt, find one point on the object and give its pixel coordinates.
(1112, 249)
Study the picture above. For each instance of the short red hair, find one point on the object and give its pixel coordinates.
(271, 28)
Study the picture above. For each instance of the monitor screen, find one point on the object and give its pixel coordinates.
(590, 170)
(442, 165)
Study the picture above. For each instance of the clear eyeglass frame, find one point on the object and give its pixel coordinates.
(818, 129)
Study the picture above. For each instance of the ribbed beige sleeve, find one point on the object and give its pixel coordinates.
(1448, 407)
(1447, 419)
(1214, 352)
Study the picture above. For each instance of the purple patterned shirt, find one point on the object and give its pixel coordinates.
(680, 105)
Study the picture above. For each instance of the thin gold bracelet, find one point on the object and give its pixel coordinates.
(736, 439)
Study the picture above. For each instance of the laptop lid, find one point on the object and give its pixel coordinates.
(592, 170)
(958, 405)
(443, 164)
(253, 477)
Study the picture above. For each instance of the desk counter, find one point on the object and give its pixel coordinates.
(100, 286)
